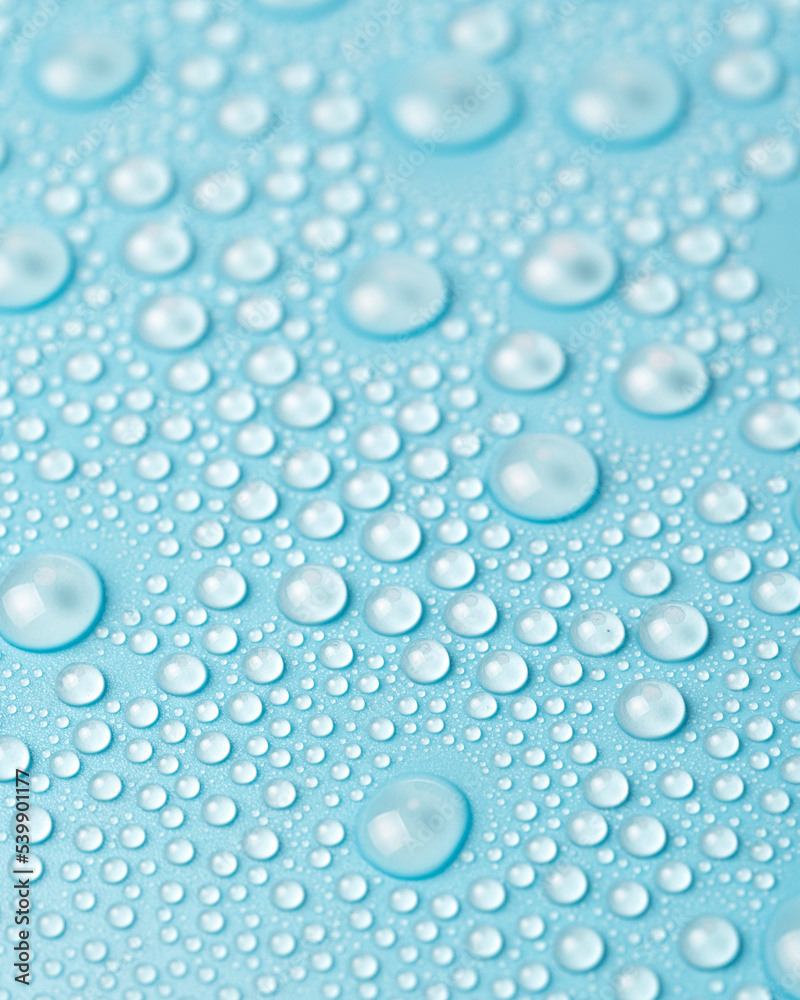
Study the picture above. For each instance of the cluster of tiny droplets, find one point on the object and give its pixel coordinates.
(399, 413)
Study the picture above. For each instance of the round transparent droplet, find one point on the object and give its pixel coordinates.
(772, 425)
(567, 268)
(49, 601)
(172, 322)
(35, 264)
(392, 610)
(650, 709)
(140, 182)
(89, 68)
(80, 684)
(393, 295)
(425, 661)
(502, 672)
(311, 595)
(543, 477)
(525, 361)
(671, 632)
(391, 537)
(776, 593)
(646, 577)
(597, 633)
(413, 827)
(535, 626)
(709, 942)
(470, 614)
(626, 100)
(449, 102)
(662, 380)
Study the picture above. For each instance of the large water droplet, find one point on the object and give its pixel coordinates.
(781, 947)
(662, 380)
(772, 425)
(709, 942)
(776, 593)
(14, 756)
(34, 266)
(426, 661)
(543, 477)
(49, 601)
(567, 268)
(311, 595)
(450, 102)
(626, 100)
(525, 361)
(502, 672)
(80, 684)
(413, 827)
(172, 322)
(672, 632)
(650, 709)
(393, 295)
(392, 610)
(181, 674)
(89, 69)
(597, 633)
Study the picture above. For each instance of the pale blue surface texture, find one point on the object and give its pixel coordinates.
(399, 498)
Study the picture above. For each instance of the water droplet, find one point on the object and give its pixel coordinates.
(772, 426)
(80, 684)
(449, 102)
(181, 674)
(525, 361)
(172, 322)
(89, 69)
(393, 295)
(391, 537)
(141, 182)
(671, 632)
(776, 593)
(49, 601)
(14, 756)
(579, 948)
(311, 595)
(597, 633)
(413, 827)
(35, 264)
(662, 380)
(650, 709)
(646, 577)
(535, 626)
(392, 610)
(426, 661)
(709, 942)
(626, 100)
(567, 268)
(502, 672)
(543, 477)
